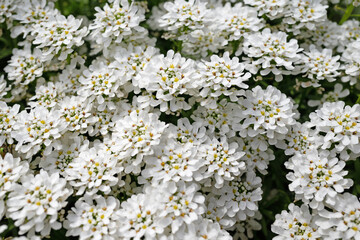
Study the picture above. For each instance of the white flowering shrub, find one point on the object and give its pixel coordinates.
(180, 119)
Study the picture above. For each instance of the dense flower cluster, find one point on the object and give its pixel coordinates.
(107, 135)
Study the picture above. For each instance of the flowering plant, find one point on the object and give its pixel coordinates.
(182, 119)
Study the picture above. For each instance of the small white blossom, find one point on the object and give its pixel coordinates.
(92, 171)
(57, 36)
(221, 76)
(37, 129)
(76, 112)
(319, 65)
(219, 120)
(167, 78)
(8, 118)
(34, 204)
(257, 156)
(30, 14)
(205, 229)
(58, 160)
(24, 66)
(304, 14)
(238, 21)
(352, 63)
(267, 112)
(93, 217)
(182, 16)
(11, 169)
(340, 125)
(221, 162)
(116, 22)
(241, 196)
(271, 8)
(139, 217)
(47, 94)
(317, 177)
(297, 224)
(135, 136)
(343, 222)
(182, 204)
(272, 53)
(101, 84)
(300, 139)
(173, 162)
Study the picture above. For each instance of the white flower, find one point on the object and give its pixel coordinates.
(116, 22)
(340, 124)
(272, 53)
(3, 88)
(270, 8)
(349, 32)
(219, 120)
(58, 36)
(183, 16)
(167, 78)
(8, 118)
(217, 213)
(319, 65)
(58, 160)
(76, 112)
(175, 157)
(93, 217)
(300, 139)
(241, 195)
(267, 112)
(101, 122)
(317, 177)
(185, 132)
(139, 217)
(69, 77)
(221, 76)
(47, 94)
(102, 84)
(7, 9)
(172, 162)
(200, 42)
(92, 171)
(245, 229)
(297, 224)
(31, 13)
(304, 14)
(238, 21)
(221, 162)
(257, 154)
(183, 204)
(11, 169)
(352, 63)
(326, 34)
(135, 136)
(34, 204)
(204, 229)
(24, 66)
(37, 129)
(132, 60)
(343, 222)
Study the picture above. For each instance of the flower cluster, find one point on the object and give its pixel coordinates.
(178, 122)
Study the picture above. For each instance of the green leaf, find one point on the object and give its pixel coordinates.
(5, 53)
(358, 100)
(347, 14)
